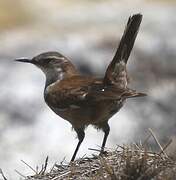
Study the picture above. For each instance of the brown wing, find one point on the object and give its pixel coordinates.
(112, 93)
(82, 91)
(130, 93)
(116, 71)
(72, 91)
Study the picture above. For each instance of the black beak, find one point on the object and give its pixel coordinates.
(24, 60)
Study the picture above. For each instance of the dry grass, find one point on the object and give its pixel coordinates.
(127, 163)
(131, 162)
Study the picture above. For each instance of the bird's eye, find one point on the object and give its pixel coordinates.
(45, 61)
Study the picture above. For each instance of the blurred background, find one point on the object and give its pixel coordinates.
(88, 33)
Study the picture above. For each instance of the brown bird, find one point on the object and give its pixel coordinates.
(88, 100)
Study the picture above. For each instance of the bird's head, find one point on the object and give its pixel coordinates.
(53, 64)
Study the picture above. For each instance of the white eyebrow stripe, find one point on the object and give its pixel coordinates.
(56, 57)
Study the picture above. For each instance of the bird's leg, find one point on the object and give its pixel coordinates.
(81, 135)
(106, 130)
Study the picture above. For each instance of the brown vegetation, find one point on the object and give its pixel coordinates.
(132, 162)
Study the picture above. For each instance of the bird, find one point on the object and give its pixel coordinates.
(85, 100)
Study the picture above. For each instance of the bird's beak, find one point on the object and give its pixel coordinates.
(25, 60)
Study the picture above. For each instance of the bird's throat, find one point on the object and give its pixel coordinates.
(53, 75)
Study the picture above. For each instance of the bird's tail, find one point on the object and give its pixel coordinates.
(116, 71)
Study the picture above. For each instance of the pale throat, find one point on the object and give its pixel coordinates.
(53, 75)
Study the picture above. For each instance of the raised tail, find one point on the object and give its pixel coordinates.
(116, 71)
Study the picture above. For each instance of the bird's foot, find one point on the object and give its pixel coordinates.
(103, 153)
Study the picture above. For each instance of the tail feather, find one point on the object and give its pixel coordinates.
(116, 71)
(128, 38)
